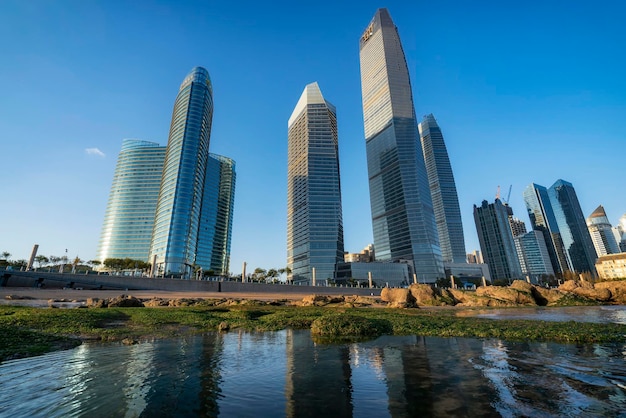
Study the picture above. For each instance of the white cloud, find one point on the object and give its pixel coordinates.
(95, 151)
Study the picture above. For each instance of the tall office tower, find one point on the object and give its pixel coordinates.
(542, 219)
(129, 217)
(442, 191)
(175, 234)
(402, 211)
(314, 219)
(533, 254)
(620, 233)
(216, 221)
(518, 227)
(601, 233)
(496, 240)
(574, 233)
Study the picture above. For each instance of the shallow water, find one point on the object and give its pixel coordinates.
(286, 374)
(596, 314)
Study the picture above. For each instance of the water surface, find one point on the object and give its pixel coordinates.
(286, 373)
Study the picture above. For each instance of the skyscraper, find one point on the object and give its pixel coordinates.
(533, 254)
(442, 191)
(496, 240)
(402, 210)
(573, 228)
(216, 222)
(542, 219)
(601, 233)
(129, 217)
(179, 207)
(314, 218)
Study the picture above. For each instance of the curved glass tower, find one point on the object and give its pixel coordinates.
(175, 235)
(443, 192)
(314, 219)
(129, 217)
(216, 223)
(402, 210)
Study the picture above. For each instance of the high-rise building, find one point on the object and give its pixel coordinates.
(573, 228)
(542, 219)
(496, 240)
(402, 211)
(314, 218)
(601, 233)
(216, 221)
(442, 191)
(620, 233)
(129, 217)
(179, 207)
(533, 254)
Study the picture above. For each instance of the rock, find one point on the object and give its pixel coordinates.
(156, 303)
(617, 289)
(507, 294)
(522, 286)
(125, 301)
(547, 297)
(464, 298)
(223, 326)
(96, 303)
(397, 298)
(315, 300)
(129, 341)
(600, 294)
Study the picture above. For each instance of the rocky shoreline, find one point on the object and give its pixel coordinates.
(518, 294)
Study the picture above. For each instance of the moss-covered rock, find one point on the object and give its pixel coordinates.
(349, 326)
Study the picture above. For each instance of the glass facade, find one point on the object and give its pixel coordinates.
(442, 191)
(542, 219)
(496, 240)
(574, 233)
(601, 233)
(533, 254)
(179, 206)
(314, 217)
(403, 220)
(216, 222)
(129, 217)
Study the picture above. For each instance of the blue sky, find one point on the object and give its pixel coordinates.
(530, 92)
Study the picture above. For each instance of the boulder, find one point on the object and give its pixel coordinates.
(125, 301)
(547, 297)
(507, 294)
(155, 303)
(96, 303)
(600, 294)
(397, 298)
(617, 289)
(522, 285)
(463, 298)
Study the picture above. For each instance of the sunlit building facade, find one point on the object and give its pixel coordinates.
(129, 217)
(177, 223)
(216, 222)
(403, 220)
(443, 191)
(533, 255)
(601, 233)
(314, 214)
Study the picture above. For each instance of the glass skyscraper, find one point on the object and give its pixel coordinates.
(496, 240)
(573, 227)
(601, 233)
(542, 219)
(216, 222)
(314, 218)
(179, 207)
(442, 191)
(402, 210)
(129, 217)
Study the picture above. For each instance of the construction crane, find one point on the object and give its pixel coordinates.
(507, 197)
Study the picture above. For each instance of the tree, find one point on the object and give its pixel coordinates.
(259, 275)
(6, 255)
(41, 260)
(272, 274)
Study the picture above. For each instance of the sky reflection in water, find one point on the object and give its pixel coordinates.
(286, 374)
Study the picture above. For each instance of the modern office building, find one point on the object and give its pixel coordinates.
(533, 255)
(383, 274)
(443, 191)
(475, 257)
(216, 221)
(518, 227)
(179, 206)
(601, 233)
(612, 266)
(542, 219)
(403, 220)
(577, 242)
(367, 255)
(619, 232)
(314, 218)
(496, 240)
(129, 217)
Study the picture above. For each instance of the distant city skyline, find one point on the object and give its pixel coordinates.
(79, 80)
